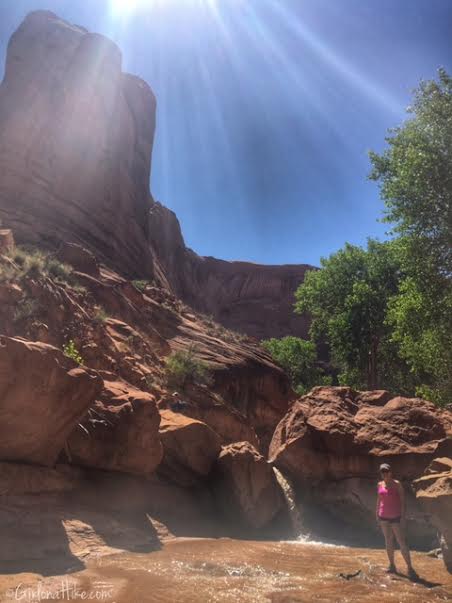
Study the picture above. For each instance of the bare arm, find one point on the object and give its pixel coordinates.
(402, 499)
(378, 503)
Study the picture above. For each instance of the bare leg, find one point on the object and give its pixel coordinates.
(389, 540)
(396, 528)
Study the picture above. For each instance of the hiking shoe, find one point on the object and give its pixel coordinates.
(412, 574)
(392, 569)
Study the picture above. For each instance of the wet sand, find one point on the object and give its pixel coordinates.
(231, 571)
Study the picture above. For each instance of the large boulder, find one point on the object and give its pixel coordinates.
(190, 448)
(335, 433)
(43, 395)
(120, 432)
(434, 492)
(332, 441)
(245, 487)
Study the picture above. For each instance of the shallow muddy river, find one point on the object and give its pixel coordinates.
(195, 571)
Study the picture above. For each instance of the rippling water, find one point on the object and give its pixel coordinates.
(195, 571)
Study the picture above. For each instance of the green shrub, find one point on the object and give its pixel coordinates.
(59, 270)
(182, 367)
(70, 350)
(19, 256)
(7, 272)
(140, 284)
(100, 316)
(26, 309)
(149, 381)
(34, 265)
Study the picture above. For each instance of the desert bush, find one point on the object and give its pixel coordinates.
(100, 315)
(59, 270)
(35, 263)
(182, 367)
(26, 309)
(70, 350)
(7, 272)
(140, 284)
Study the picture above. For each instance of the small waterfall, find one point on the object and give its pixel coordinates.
(289, 495)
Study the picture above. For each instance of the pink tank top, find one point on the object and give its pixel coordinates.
(390, 505)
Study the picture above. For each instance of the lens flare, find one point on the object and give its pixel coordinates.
(126, 7)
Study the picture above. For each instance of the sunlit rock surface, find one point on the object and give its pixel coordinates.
(76, 142)
(119, 433)
(43, 395)
(434, 492)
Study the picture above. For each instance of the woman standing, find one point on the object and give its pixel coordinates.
(390, 514)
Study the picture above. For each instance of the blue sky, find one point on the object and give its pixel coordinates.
(267, 109)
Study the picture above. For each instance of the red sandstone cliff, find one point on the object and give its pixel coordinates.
(75, 144)
(250, 298)
(75, 153)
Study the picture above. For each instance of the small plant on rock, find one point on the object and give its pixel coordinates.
(140, 285)
(26, 309)
(19, 256)
(70, 350)
(59, 270)
(100, 316)
(182, 367)
(7, 272)
(35, 265)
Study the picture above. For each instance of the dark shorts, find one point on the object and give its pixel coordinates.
(389, 520)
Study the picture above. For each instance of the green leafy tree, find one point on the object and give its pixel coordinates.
(415, 173)
(421, 323)
(415, 176)
(298, 357)
(348, 302)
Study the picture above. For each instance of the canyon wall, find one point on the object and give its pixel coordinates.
(75, 145)
(75, 155)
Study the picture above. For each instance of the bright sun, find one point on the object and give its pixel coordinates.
(126, 7)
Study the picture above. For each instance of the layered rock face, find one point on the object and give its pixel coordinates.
(434, 492)
(75, 153)
(75, 145)
(248, 298)
(332, 441)
(245, 297)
